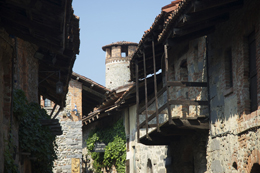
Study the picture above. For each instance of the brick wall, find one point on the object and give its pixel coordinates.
(233, 143)
(116, 51)
(25, 78)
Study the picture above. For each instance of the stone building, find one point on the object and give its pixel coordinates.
(208, 52)
(83, 95)
(117, 63)
(34, 60)
(120, 104)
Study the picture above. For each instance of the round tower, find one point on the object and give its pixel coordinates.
(118, 56)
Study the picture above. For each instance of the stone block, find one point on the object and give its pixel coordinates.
(215, 145)
(216, 167)
(162, 171)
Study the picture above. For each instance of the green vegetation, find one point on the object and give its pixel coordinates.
(115, 152)
(33, 137)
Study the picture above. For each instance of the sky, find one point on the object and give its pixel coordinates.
(103, 22)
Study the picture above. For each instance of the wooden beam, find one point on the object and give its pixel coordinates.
(153, 99)
(137, 99)
(153, 115)
(187, 102)
(186, 84)
(210, 12)
(202, 5)
(167, 73)
(93, 91)
(176, 40)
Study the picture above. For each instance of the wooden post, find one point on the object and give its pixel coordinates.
(53, 109)
(137, 99)
(146, 99)
(155, 87)
(167, 79)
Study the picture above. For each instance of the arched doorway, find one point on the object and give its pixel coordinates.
(255, 168)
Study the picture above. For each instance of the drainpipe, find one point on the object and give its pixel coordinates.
(207, 63)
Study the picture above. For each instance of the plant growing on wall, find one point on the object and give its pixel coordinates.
(33, 137)
(115, 151)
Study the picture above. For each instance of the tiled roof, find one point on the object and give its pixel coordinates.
(119, 43)
(89, 81)
(179, 6)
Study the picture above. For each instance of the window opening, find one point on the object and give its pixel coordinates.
(124, 51)
(252, 72)
(47, 103)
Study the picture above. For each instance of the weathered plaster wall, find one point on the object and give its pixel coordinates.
(233, 143)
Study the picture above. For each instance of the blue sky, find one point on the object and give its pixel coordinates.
(103, 22)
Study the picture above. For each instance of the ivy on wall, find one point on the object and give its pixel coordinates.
(115, 151)
(33, 137)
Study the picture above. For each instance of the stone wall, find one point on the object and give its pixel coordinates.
(141, 157)
(117, 67)
(233, 143)
(69, 146)
(187, 62)
(117, 73)
(70, 142)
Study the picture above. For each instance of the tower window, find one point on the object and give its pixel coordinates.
(124, 51)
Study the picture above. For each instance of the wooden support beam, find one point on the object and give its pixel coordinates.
(137, 100)
(176, 40)
(202, 5)
(155, 87)
(167, 73)
(53, 109)
(208, 13)
(187, 102)
(184, 30)
(152, 112)
(145, 93)
(57, 113)
(186, 84)
(93, 91)
(153, 99)
(153, 115)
